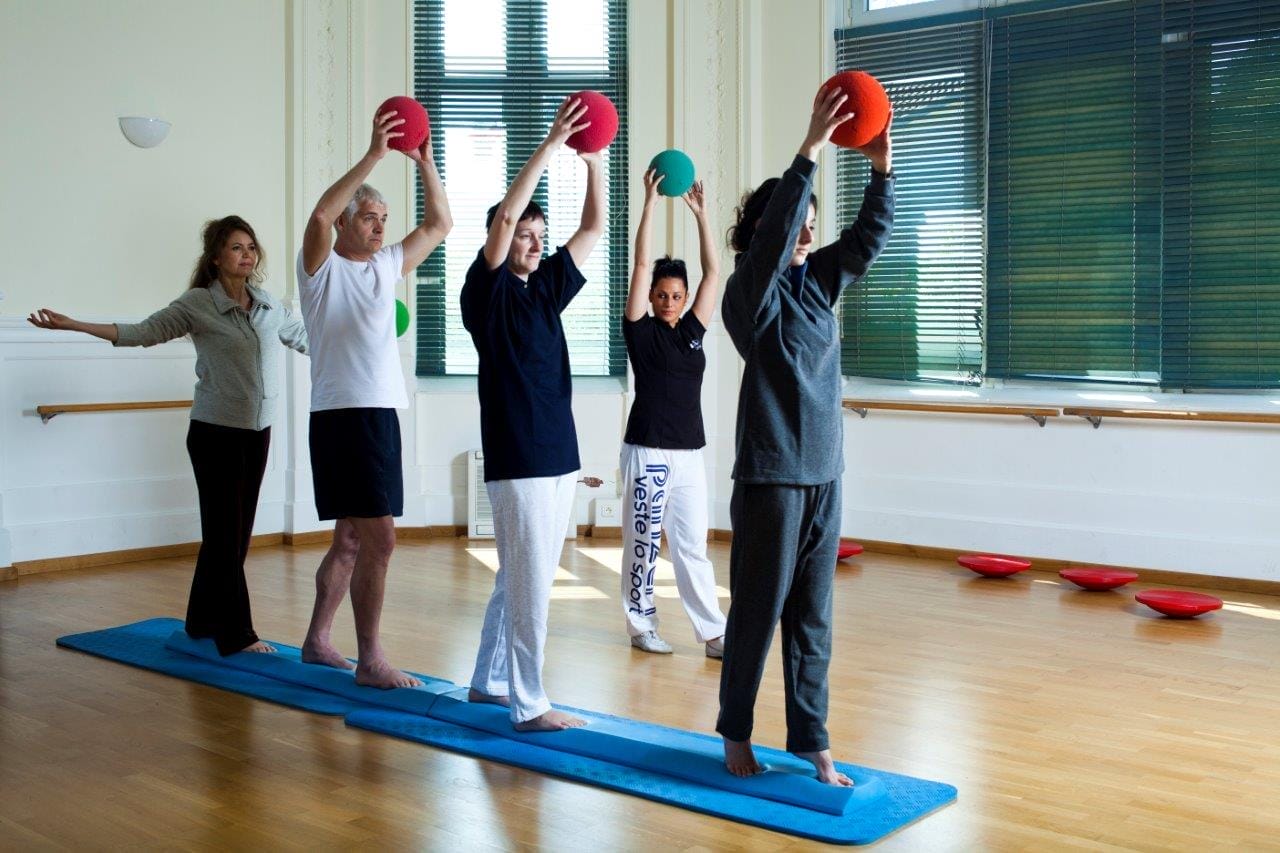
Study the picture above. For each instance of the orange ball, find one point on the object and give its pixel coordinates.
(868, 103)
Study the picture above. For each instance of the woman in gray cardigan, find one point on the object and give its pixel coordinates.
(237, 330)
(785, 510)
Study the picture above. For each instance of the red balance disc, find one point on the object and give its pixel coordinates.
(848, 549)
(1179, 604)
(1098, 579)
(992, 566)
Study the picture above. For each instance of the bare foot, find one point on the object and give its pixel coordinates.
(740, 759)
(325, 655)
(378, 673)
(552, 721)
(474, 695)
(826, 768)
(259, 647)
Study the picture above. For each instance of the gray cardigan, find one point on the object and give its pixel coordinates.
(782, 322)
(237, 364)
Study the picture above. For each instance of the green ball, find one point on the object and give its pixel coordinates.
(402, 318)
(677, 169)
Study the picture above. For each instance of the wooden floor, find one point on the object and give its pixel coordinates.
(1068, 720)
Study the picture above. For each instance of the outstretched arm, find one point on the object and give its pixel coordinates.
(47, 318)
(638, 295)
(437, 221)
(317, 239)
(568, 121)
(704, 303)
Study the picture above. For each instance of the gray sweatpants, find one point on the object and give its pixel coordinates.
(780, 569)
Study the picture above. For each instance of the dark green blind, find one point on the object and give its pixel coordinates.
(1073, 276)
(491, 74)
(1221, 318)
(918, 314)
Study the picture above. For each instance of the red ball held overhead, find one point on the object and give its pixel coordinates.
(603, 116)
(993, 565)
(868, 103)
(416, 127)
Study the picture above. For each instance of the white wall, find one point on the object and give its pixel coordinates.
(728, 81)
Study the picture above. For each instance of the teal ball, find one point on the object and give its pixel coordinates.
(676, 169)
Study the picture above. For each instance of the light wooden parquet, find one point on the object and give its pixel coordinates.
(1068, 720)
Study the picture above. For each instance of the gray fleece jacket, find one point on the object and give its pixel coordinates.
(237, 363)
(782, 322)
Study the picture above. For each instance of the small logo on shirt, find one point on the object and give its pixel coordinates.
(695, 344)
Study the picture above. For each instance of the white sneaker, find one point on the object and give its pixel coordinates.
(649, 641)
(715, 648)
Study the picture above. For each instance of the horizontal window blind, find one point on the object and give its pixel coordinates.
(918, 314)
(1221, 317)
(1074, 201)
(491, 74)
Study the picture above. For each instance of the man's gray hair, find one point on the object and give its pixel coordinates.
(363, 193)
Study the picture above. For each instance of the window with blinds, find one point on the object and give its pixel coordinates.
(491, 74)
(1131, 201)
(918, 314)
(1073, 269)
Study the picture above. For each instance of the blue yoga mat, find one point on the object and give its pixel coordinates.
(142, 644)
(663, 764)
(903, 800)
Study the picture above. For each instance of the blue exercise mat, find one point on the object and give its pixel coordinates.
(903, 799)
(663, 764)
(142, 644)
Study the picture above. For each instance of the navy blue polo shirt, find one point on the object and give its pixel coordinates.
(526, 421)
(668, 362)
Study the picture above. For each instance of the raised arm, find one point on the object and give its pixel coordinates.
(638, 295)
(704, 302)
(775, 236)
(847, 260)
(317, 238)
(568, 121)
(437, 221)
(594, 214)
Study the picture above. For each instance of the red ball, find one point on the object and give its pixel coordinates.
(416, 127)
(603, 116)
(868, 103)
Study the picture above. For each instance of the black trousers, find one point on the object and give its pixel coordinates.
(781, 568)
(229, 464)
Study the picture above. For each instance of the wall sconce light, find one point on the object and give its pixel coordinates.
(144, 132)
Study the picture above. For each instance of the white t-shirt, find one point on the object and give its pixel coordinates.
(350, 311)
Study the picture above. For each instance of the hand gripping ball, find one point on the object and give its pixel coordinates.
(416, 127)
(868, 103)
(402, 318)
(603, 116)
(676, 170)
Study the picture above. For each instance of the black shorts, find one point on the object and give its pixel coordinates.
(355, 463)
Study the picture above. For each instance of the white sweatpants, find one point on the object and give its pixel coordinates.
(667, 489)
(530, 517)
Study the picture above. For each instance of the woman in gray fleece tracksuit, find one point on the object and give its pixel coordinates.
(785, 509)
(238, 331)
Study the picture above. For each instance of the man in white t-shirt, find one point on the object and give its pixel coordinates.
(347, 285)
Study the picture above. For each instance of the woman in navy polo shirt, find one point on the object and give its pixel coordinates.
(511, 303)
(665, 481)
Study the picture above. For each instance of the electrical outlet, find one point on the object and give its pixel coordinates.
(608, 512)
